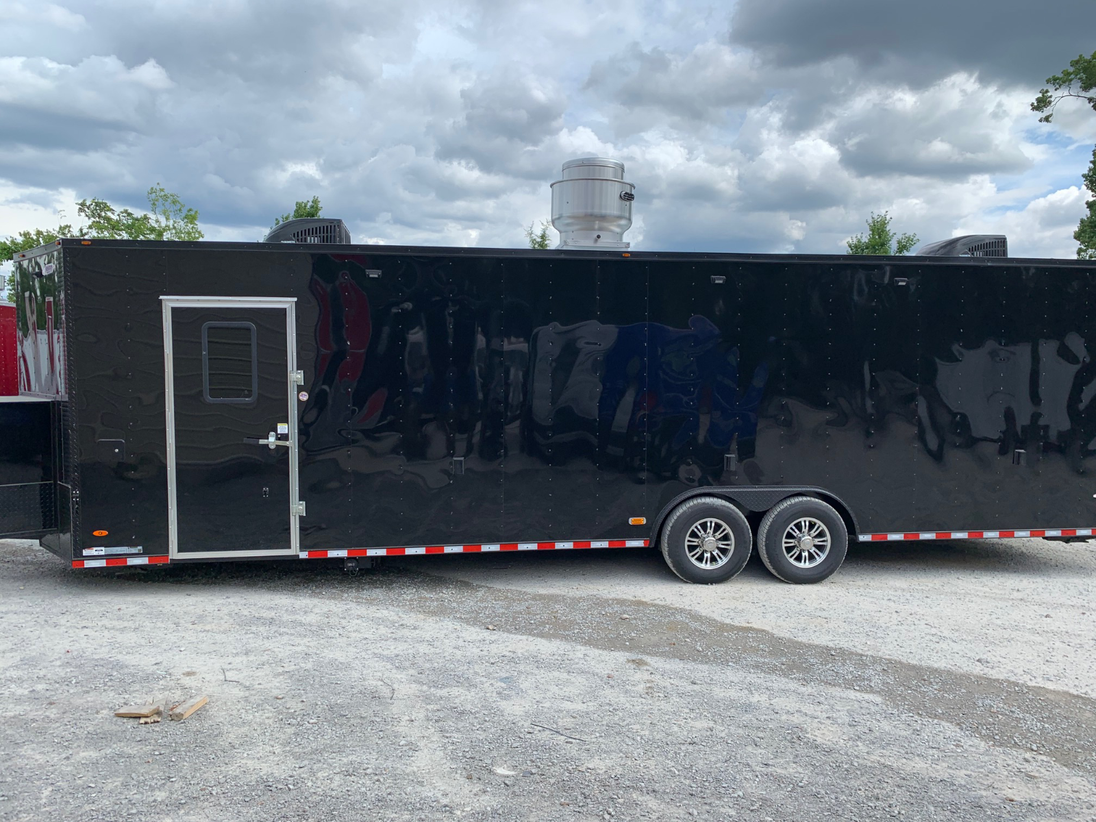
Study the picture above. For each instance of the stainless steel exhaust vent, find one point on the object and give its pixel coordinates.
(592, 205)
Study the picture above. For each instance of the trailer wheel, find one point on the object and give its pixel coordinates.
(802, 540)
(706, 540)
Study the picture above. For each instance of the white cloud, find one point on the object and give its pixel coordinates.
(1042, 228)
(100, 92)
(445, 124)
(48, 14)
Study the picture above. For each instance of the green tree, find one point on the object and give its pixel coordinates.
(538, 239)
(1076, 82)
(303, 208)
(880, 238)
(168, 219)
(25, 241)
(1085, 235)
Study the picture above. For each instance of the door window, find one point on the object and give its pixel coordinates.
(230, 371)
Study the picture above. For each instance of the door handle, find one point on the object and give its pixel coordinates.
(271, 441)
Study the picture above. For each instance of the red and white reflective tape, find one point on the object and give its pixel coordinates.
(114, 561)
(483, 548)
(925, 535)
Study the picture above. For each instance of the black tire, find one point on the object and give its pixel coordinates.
(804, 562)
(701, 562)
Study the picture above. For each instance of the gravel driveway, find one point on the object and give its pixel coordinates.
(927, 681)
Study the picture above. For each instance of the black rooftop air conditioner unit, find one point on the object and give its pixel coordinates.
(971, 245)
(309, 230)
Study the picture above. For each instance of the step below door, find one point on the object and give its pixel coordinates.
(231, 429)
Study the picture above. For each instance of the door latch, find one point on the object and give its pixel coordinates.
(299, 509)
(271, 441)
(296, 377)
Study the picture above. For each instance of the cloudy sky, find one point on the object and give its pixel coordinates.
(756, 125)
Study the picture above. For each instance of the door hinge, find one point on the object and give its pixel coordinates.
(299, 509)
(296, 377)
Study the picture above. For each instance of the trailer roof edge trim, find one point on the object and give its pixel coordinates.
(563, 254)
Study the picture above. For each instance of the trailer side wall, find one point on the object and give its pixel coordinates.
(463, 396)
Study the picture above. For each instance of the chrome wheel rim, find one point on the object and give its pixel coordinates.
(807, 542)
(709, 543)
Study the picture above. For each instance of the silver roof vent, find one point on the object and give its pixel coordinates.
(309, 230)
(592, 205)
(970, 245)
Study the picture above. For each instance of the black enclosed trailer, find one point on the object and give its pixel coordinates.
(217, 400)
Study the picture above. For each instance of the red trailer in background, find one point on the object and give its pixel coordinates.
(9, 372)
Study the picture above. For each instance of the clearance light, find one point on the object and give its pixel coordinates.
(637, 521)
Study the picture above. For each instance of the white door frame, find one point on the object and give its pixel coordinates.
(288, 304)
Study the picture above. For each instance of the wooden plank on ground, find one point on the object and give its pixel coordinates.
(185, 709)
(138, 710)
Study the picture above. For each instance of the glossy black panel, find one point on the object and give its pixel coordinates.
(28, 477)
(460, 396)
(116, 370)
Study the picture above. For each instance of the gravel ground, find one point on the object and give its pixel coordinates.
(939, 681)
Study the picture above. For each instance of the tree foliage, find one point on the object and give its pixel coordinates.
(1085, 235)
(26, 240)
(881, 239)
(1081, 73)
(538, 239)
(303, 208)
(1076, 82)
(168, 219)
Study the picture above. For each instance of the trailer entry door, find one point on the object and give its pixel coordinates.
(231, 426)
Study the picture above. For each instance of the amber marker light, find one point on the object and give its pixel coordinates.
(625, 254)
(99, 533)
(85, 242)
(637, 521)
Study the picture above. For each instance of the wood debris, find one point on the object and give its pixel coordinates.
(184, 709)
(139, 711)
